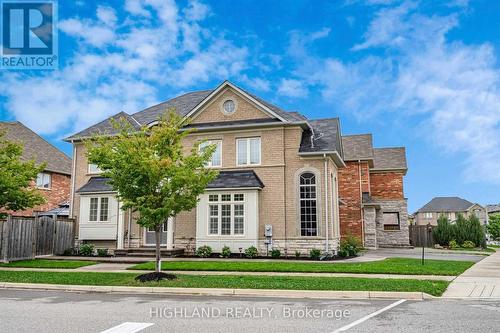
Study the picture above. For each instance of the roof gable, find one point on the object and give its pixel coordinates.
(37, 148)
(446, 204)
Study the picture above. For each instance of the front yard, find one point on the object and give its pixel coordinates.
(42, 263)
(435, 288)
(387, 266)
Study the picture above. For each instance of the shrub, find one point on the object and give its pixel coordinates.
(453, 244)
(275, 253)
(87, 250)
(251, 252)
(69, 252)
(460, 229)
(204, 251)
(297, 254)
(349, 246)
(226, 252)
(493, 226)
(443, 233)
(468, 245)
(315, 254)
(102, 252)
(475, 231)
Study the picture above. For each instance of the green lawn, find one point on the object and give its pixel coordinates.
(43, 263)
(387, 266)
(488, 249)
(435, 288)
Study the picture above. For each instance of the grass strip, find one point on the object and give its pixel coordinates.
(387, 266)
(43, 263)
(435, 288)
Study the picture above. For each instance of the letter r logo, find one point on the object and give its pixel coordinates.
(27, 28)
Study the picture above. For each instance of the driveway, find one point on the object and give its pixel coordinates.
(417, 254)
(481, 281)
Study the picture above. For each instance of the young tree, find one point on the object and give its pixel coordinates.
(443, 233)
(493, 226)
(16, 178)
(150, 172)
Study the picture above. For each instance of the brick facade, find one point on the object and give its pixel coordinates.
(350, 196)
(58, 193)
(387, 185)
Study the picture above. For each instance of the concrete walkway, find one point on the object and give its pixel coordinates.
(122, 268)
(481, 281)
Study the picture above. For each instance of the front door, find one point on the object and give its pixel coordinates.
(149, 235)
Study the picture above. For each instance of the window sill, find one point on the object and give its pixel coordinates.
(44, 188)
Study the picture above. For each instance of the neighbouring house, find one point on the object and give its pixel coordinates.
(298, 183)
(55, 181)
(493, 209)
(450, 207)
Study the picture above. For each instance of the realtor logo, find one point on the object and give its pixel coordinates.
(29, 38)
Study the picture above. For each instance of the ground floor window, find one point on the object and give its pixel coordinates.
(308, 205)
(391, 221)
(226, 214)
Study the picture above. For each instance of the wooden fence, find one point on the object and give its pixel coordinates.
(27, 237)
(421, 235)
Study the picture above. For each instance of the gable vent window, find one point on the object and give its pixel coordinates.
(229, 106)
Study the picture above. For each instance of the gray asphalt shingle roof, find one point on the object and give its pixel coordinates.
(236, 179)
(389, 158)
(493, 208)
(357, 147)
(37, 148)
(446, 204)
(326, 136)
(96, 185)
(105, 126)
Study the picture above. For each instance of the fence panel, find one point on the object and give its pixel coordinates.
(421, 235)
(26, 237)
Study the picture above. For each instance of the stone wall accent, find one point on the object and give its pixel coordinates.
(370, 215)
(386, 185)
(391, 238)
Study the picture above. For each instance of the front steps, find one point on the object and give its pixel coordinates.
(148, 252)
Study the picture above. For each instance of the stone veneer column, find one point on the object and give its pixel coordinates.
(370, 227)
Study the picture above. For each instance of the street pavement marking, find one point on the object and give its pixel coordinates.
(371, 315)
(128, 327)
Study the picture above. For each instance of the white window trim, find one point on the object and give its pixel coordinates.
(248, 151)
(99, 201)
(219, 203)
(318, 213)
(90, 172)
(217, 142)
(50, 181)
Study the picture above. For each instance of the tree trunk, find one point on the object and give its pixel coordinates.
(158, 251)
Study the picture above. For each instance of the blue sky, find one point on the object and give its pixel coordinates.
(419, 74)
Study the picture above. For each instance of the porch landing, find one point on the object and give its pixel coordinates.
(148, 252)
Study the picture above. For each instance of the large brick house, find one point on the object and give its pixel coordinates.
(284, 179)
(54, 183)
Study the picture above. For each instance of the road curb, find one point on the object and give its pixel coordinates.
(276, 293)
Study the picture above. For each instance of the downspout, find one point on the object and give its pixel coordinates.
(73, 180)
(129, 226)
(361, 205)
(326, 203)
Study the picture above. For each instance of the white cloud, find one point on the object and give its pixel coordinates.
(121, 64)
(292, 88)
(453, 87)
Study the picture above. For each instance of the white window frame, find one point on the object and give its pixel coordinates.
(99, 205)
(218, 143)
(219, 203)
(427, 215)
(94, 171)
(43, 175)
(315, 199)
(248, 153)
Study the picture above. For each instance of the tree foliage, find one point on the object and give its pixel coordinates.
(443, 233)
(150, 171)
(16, 178)
(493, 226)
(462, 231)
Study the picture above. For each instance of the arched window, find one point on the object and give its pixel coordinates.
(308, 205)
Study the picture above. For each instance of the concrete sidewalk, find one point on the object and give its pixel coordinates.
(122, 268)
(481, 281)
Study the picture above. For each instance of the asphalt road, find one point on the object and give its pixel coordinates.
(54, 311)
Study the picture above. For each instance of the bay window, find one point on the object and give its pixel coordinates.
(226, 214)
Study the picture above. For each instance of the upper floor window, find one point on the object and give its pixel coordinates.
(216, 160)
(93, 168)
(43, 180)
(391, 221)
(248, 151)
(308, 205)
(99, 209)
(428, 215)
